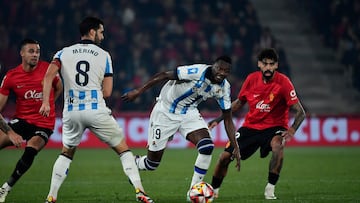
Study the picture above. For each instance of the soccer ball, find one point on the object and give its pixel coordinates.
(201, 192)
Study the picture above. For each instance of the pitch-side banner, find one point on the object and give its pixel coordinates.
(314, 131)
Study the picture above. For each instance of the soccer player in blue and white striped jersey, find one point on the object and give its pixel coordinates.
(176, 111)
(87, 73)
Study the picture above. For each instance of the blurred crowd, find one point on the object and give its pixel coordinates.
(338, 22)
(143, 37)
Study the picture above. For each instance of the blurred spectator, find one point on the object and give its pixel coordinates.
(144, 36)
(338, 22)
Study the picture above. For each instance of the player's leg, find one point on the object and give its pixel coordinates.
(23, 164)
(34, 145)
(204, 144)
(72, 132)
(162, 127)
(151, 161)
(274, 143)
(247, 145)
(60, 172)
(107, 130)
(131, 170)
(220, 171)
(36, 139)
(128, 163)
(4, 142)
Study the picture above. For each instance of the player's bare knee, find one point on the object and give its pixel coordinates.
(277, 147)
(205, 146)
(276, 143)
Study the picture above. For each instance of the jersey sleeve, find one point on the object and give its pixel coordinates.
(58, 55)
(224, 100)
(191, 72)
(57, 58)
(289, 92)
(5, 86)
(108, 66)
(56, 80)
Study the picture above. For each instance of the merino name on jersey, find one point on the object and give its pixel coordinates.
(83, 66)
(87, 51)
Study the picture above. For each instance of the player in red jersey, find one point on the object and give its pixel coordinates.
(270, 95)
(28, 125)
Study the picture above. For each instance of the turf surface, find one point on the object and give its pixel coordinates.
(309, 175)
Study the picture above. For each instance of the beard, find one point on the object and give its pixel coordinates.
(268, 74)
(97, 41)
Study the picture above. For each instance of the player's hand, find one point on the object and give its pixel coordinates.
(45, 109)
(130, 96)
(287, 135)
(212, 124)
(15, 138)
(236, 155)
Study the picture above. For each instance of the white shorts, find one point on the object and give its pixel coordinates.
(163, 126)
(100, 122)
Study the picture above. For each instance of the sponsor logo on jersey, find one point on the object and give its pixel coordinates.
(72, 100)
(33, 94)
(263, 107)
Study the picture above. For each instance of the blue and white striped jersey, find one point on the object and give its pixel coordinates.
(83, 68)
(183, 95)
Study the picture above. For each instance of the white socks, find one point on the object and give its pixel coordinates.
(203, 162)
(131, 170)
(60, 171)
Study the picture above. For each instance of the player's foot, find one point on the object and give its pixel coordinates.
(216, 193)
(143, 197)
(50, 199)
(270, 191)
(3, 194)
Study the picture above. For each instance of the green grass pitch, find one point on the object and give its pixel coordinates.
(96, 176)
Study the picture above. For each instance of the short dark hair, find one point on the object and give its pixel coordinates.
(89, 23)
(224, 58)
(269, 53)
(27, 41)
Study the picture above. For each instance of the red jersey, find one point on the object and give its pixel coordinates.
(27, 87)
(268, 102)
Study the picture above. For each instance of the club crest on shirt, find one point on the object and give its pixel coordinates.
(271, 97)
(193, 70)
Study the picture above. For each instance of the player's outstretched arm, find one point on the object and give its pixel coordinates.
(156, 79)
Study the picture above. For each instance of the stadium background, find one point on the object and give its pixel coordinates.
(318, 43)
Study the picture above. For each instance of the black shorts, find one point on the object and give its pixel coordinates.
(251, 139)
(27, 130)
